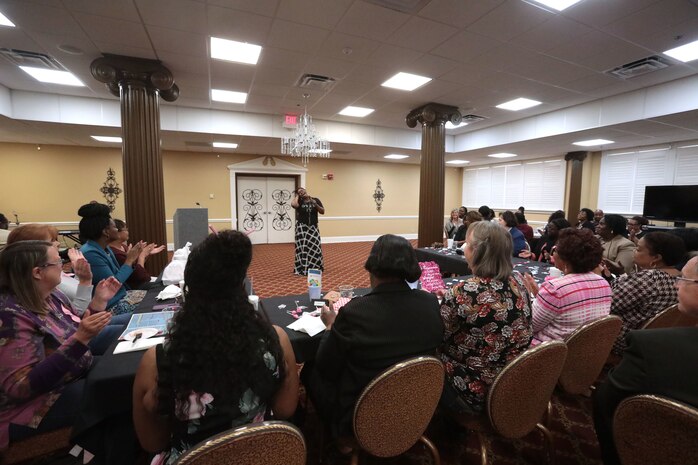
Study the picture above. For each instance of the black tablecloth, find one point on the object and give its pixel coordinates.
(447, 259)
(109, 385)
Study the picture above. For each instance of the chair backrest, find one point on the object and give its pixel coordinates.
(588, 348)
(266, 443)
(670, 317)
(396, 407)
(653, 430)
(520, 393)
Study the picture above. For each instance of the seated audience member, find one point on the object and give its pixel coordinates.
(689, 236)
(470, 218)
(486, 212)
(79, 288)
(507, 220)
(598, 214)
(585, 219)
(635, 231)
(487, 320)
(523, 226)
(370, 333)
(462, 211)
(557, 214)
(521, 210)
(656, 361)
(617, 249)
(4, 233)
(580, 296)
(544, 247)
(222, 364)
(120, 247)
(639, 296)
(98, 230)
(44, 350)
(452, 224)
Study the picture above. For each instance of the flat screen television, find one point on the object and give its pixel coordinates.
(671, 203)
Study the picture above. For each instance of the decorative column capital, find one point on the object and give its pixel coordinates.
(433, 114)
(579, 155)
(117, 70)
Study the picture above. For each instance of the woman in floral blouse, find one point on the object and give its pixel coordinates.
(221, 366)
(487, 319)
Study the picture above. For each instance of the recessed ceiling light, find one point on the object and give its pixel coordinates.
(110, 139)
(53, 76)
(558, 5)
(518, 104)
(502, 155)
(321, 151)
(457, 162)
(359, 112)
(231, 50)
(225, 145)
(592, 142)
(406, 81)
(5, 21)
(685, 53)
(450, 125)
(396, 156)
(229, 96)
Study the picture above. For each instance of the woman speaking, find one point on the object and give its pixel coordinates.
(308, 245)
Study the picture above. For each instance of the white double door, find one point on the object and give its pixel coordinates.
(264, 208)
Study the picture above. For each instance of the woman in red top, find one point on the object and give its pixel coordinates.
(120, 246)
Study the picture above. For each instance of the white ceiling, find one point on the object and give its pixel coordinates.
(479, 53)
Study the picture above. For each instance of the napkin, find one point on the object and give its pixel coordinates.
(311, 325)
(170, 292)
(140, 344)
(340, 303)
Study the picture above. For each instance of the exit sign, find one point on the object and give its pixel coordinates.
(290, 121)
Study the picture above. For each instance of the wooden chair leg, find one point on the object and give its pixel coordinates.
(483, 448)
(432, 448)
(355, 456)
(548, 444)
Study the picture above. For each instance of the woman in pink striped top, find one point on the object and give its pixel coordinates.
(579, 297)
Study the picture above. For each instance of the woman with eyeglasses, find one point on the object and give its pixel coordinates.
(45, 349)
(563, 304)
(639, 296)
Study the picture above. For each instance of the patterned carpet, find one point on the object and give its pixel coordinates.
(571, 425)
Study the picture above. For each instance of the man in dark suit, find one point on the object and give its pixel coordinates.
(370, 333)
(656, 361)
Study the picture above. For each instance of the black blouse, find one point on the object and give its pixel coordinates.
(306, 212)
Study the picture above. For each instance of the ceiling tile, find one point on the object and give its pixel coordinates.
(280, 58)
(347, 47)
(113, 31)
(238, 72)
(547, 35)
(459, 13)
(126, 50)
(276, 76)
(188, 64)
(179, 42)
(510, 19)
(549, 70)
(31, 17)
(371, 21)
(596, 13)
(465, 46)
(184, 15)
(390, 56)
(321, 13)
(431, 66)
(238, 25)
(268, 90)
(260, 7)
(116, 10)
(337, 69)
(298, 37)
(18, 39)
(421, 34)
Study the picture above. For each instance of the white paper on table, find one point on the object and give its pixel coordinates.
(140, 344)
(170, 292)
(311, 325)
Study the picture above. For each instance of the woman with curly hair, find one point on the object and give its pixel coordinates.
(639, 296)
(487, 319)
(221, 366)
(580, 296)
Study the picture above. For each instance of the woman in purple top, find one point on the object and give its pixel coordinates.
(43, 345)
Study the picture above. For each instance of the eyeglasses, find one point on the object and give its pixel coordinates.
(685, 280)
(56, 263)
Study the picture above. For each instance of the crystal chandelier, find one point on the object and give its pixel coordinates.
(305, 142)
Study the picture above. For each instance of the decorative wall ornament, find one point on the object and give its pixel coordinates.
(110, 189)
(378, 195)
(253, 220)
(282, 221)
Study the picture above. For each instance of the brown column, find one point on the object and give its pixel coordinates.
(575, 161)
(432, 117)
(138, 83)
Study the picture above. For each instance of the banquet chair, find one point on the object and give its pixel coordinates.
(266, 443)
(670, 317)
(588, 348)
(653, 430)
(35, 447)
(395, 409)
(518, 398)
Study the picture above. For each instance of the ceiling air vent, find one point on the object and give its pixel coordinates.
(403, 6)
(639, 67)
(472, 118)
(32, 59)
(315, 82)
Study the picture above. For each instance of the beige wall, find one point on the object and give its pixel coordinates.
(49, 185)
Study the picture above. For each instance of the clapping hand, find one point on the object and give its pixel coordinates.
(613, 267)
(104, 291)
(531, 284)
(91, 324)
(132, 253)
(81, 267)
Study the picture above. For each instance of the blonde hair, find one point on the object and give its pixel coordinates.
(32, 232)
(492, 249)
(17, 261)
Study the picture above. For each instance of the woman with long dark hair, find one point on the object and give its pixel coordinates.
(222, 365)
